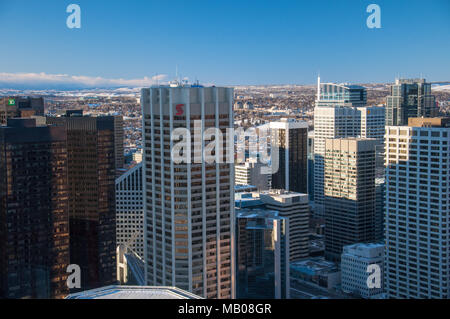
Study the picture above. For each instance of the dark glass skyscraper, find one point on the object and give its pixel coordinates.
(292, 143)
(262, 256)
(409, 98)
(92, 209)
(13, 107)
(34, 220)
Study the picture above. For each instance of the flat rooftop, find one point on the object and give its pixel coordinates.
(282, 193)
(364, 250)
(134, 292)
(255, 213)
(283, 197)
(429, 122)
(314, 265)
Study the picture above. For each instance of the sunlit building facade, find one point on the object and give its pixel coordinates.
(189, 206)
(409, 98)
(417, 209)
(350, 198)
(295, 207)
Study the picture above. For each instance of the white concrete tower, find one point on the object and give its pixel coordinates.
(189, 207)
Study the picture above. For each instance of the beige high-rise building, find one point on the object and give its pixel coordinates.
(253, 173)
(295, 207)
(330, 122)
(372, 119)
(349, 201)
(189, 207)
(417, 209)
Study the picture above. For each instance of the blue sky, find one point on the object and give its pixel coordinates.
(228, 42)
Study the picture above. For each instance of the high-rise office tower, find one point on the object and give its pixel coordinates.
(335, 116)
(355, 261)
(118, 138)
(329, 122)
(292, 144)
(311, 165)
(34, 220)
(130, 210)
(372, 119)
(409, 98)
(373, 126)
(262, 254)
(14, 106)
(189, 206)
(344, 95)
(294, 206)
(252, 173)
(92, 198)
(349, 194)
(380, 191)
(418, 209)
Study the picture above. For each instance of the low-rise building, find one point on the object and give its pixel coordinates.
(360, 264)
(316, 271)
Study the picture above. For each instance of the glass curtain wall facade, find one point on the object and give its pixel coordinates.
(34, 220)
(262, 259)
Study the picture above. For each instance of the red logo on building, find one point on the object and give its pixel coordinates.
(180, 110)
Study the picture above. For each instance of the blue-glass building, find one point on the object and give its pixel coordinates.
(262, 254)
(332, 94)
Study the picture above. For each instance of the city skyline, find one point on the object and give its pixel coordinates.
(224, 150)
(221, 43)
